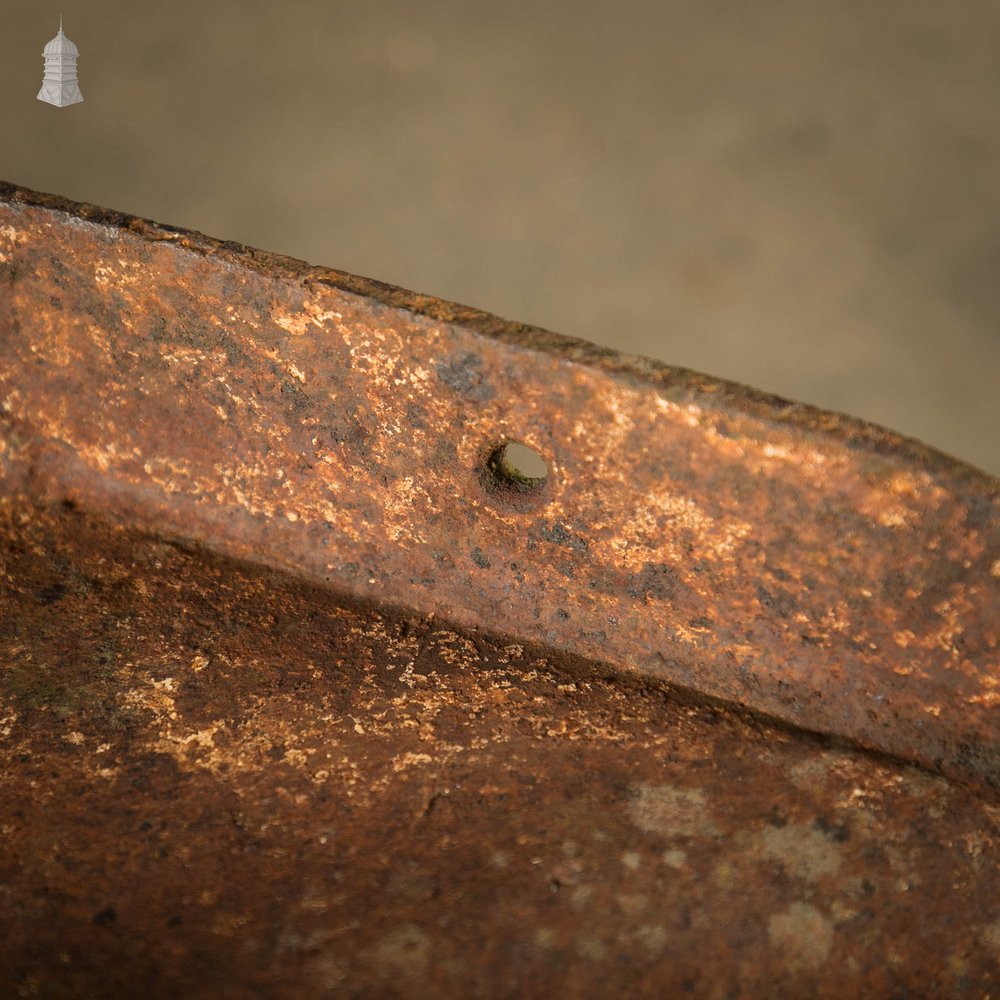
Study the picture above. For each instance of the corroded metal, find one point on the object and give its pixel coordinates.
(304, 694)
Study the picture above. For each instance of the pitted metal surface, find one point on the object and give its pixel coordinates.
(301, 695)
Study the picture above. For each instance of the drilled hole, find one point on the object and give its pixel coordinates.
(516, 466)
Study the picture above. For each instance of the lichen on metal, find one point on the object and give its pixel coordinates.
(711, 705)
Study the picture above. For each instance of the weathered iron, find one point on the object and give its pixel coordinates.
(305, 691)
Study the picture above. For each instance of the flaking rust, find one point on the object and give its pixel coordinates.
(301, 696)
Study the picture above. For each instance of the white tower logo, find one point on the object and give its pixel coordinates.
(59, 86)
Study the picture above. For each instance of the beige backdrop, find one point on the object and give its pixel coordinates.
(797, 194)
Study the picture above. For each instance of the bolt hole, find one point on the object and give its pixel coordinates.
(515, 466)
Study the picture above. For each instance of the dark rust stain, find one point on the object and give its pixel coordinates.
(225, 780)
(300, 695)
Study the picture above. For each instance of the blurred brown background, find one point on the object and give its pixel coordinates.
(799, 195)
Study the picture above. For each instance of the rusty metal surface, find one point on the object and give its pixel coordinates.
(299, 697)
